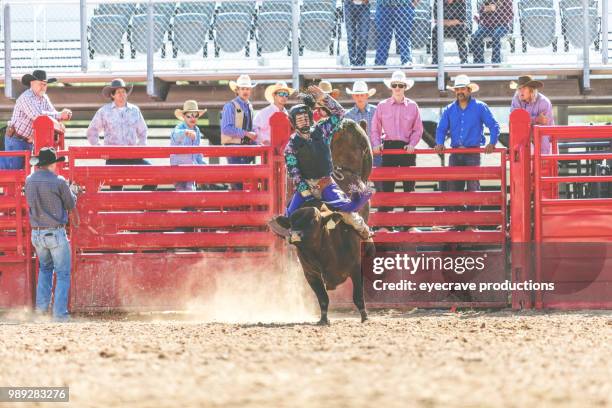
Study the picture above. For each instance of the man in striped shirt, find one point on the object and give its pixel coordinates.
(31, 104)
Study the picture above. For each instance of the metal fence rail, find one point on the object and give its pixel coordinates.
(275, 35)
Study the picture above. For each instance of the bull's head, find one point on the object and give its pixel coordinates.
(309, 224)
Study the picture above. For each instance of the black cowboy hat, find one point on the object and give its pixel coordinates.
(116, 84)
(37, 75)
(45, 157)
(526, 80)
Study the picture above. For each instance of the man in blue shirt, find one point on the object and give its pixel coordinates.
(50, 199)
(465, 119)
(237, 121)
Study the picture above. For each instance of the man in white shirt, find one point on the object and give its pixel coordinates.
(278, 95)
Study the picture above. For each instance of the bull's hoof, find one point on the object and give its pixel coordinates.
(364, 316)
(324, 321)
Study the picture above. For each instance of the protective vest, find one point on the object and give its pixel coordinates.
(239, 121)
(313, 155)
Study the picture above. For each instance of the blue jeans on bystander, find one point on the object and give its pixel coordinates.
(53, 251)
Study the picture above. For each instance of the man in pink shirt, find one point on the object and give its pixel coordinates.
(400, 120)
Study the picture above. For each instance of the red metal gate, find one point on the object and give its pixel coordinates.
(573, 236)
(16, 282)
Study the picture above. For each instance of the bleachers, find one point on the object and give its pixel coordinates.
(223, 31)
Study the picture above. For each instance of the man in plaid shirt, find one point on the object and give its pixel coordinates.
(31, 104)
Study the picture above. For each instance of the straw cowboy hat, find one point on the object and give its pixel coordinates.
(526, 80)
(272, 89)
(45, 157)
(463, 81)
(399, 77)
(188, 106)
(360, 88)
(328, 89)
(116, 83)
(243, 81)
(37, 75)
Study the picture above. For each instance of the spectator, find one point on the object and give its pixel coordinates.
(357, 20)
(464, 120)
(187, 133)
(494, 21)
(122, 123)
(237, 120)
(394, 16)
(400, 120)
(321, 112)
(455, 26)
(277, 95)
(364, 111)
(31, 104)
(50, 199)
(533, 101)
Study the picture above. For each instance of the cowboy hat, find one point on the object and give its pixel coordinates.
(188, 106)
(360, 88)
(243, 81)
(463, 81)
(399, 76)
(37, 75)
(45, 157)
(526, 80)
(116, 84)
(328, 89)
(272, 89)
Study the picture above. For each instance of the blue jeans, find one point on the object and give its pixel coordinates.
(496, 34)
(12, 144)
(53, 251)
(464, 159)
(357, 20)
(185, 186)
(333, 197)
(398, 19)
(240, 160)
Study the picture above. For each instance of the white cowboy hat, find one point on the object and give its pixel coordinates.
(463, 81)
(360, 88)
(243, 81)
(399, 76)
(188, 106)
(328, 89)
(272, 89)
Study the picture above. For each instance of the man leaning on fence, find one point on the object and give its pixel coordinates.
(464, 120)
(122, 123)
(187, 133)
(50, 199)
(528, 97)
(31, 104)
(399, 118)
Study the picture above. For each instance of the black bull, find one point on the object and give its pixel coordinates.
(329, 250)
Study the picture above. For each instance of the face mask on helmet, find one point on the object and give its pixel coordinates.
(301, 118)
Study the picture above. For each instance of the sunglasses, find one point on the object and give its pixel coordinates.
(398, 86)
(283, 94)
(191, 116)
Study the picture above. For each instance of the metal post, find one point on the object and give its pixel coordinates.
(8, 76)
(440, 45)
(150, 76)
(586, 63)
(295, 45)
(604, 30)
(83, 22)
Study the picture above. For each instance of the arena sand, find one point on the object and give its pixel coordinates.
(417, 358)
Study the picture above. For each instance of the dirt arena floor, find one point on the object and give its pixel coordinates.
(398, 358)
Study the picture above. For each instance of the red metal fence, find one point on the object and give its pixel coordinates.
(159, 249)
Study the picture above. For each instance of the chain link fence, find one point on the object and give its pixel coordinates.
(264, 35)
(43, 35)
